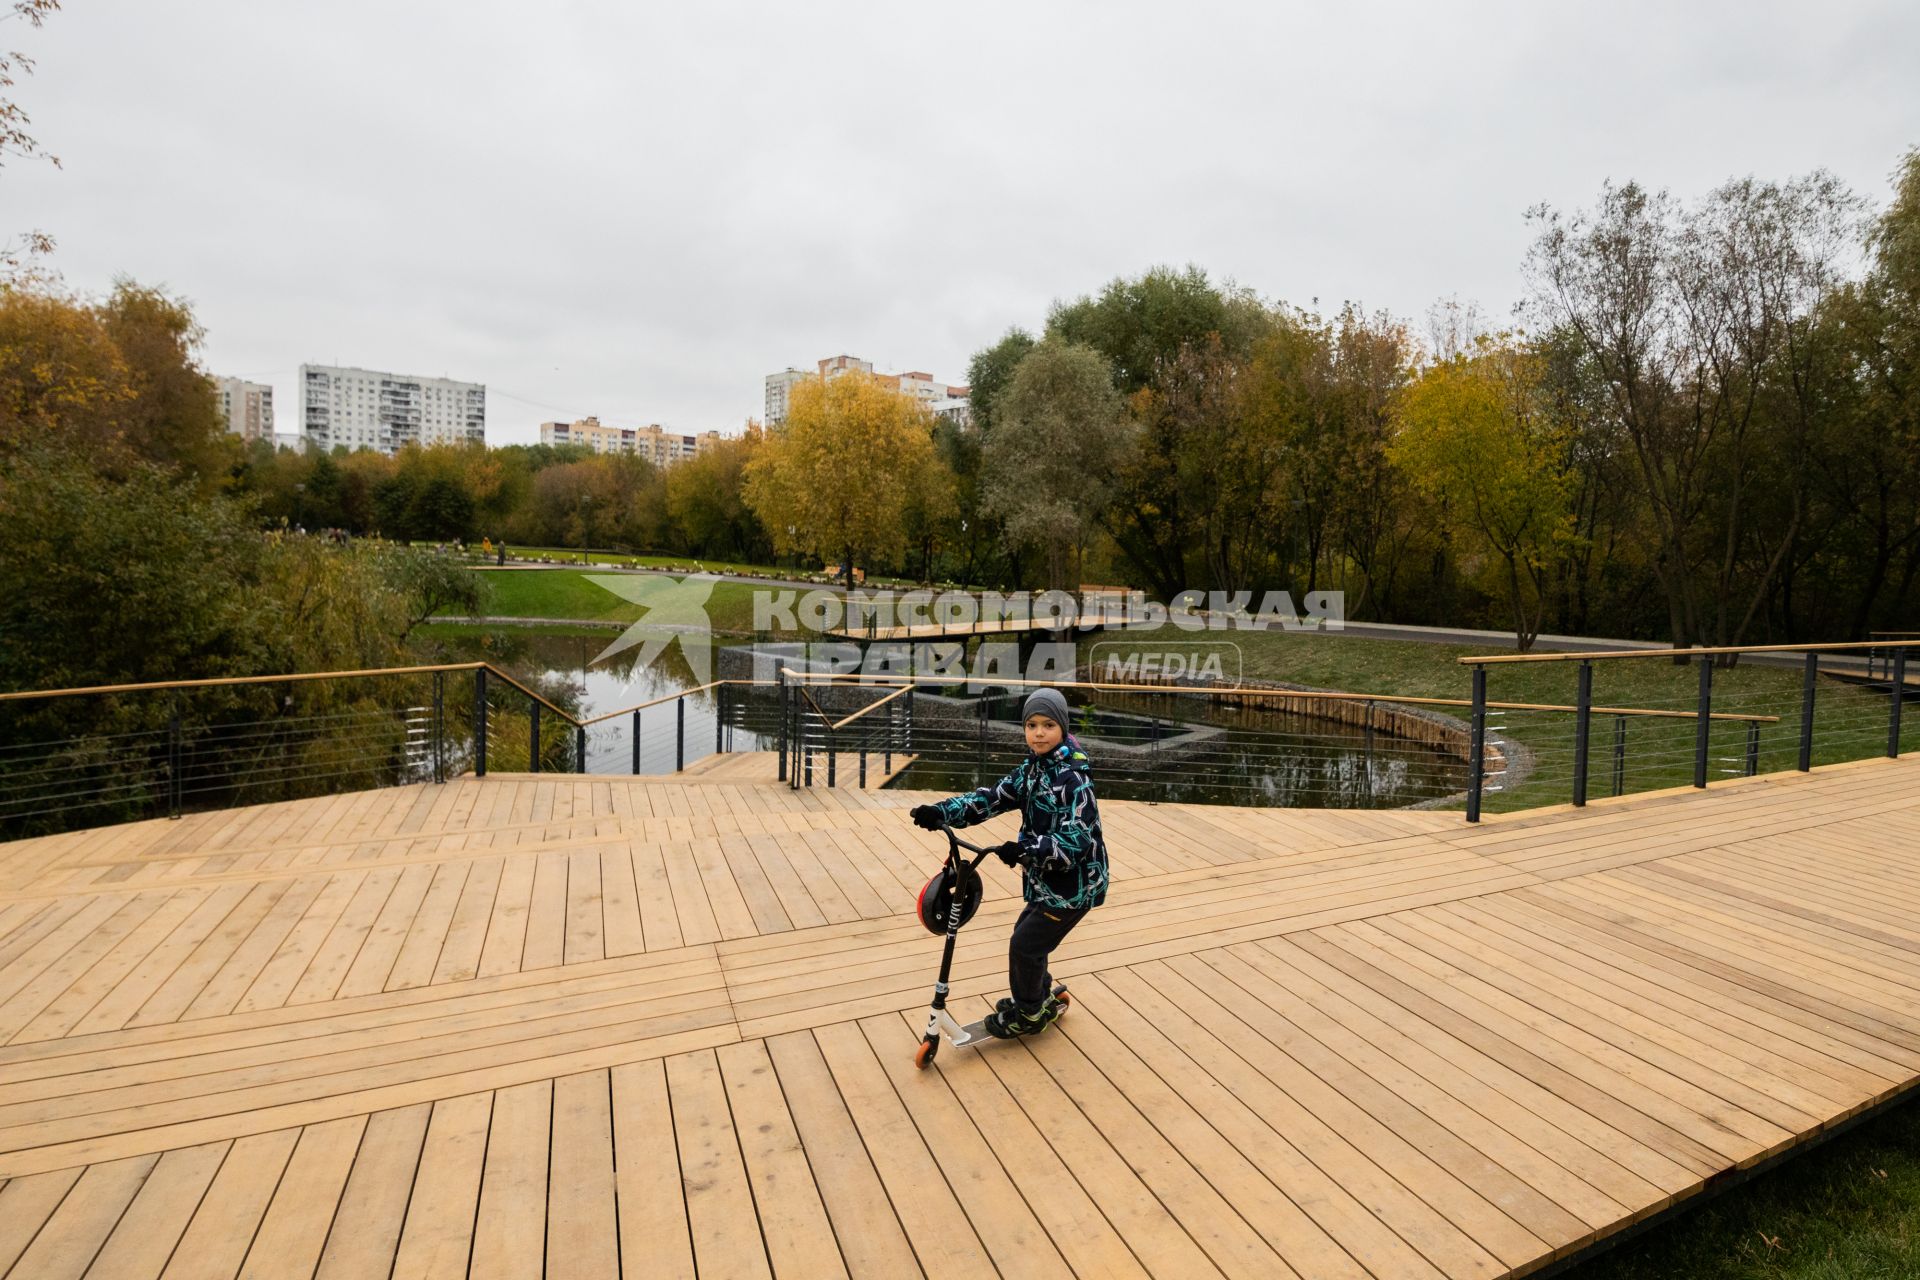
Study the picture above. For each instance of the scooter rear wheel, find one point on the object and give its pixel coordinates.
(923, 1056)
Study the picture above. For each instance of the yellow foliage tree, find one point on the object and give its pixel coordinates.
(834, 479)
(1475, 433)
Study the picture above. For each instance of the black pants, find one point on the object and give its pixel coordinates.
(1035, 934)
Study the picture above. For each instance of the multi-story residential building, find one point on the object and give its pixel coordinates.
(245, 407)
(653, 442)
(937, 396)
(365, 409)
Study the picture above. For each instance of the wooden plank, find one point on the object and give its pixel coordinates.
(585, 927)
(510, 1233)
(278, 977)
(144, 1239)
(871, 1240)
(420, 950)
(381, 947)
(366, 1229)
(713, 1172)
(654, 1234)
(25, 1205)
(294, 1229)
(793, 1221)
(547, 914)
(583, 1232)
(222, 1228)
(507, 927)
(620, 902)
(1088, 1242)
(937, 1227)
(436, 1239)
(66, 1245)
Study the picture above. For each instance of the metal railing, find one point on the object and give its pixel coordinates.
(1782, 724)
(115, 753)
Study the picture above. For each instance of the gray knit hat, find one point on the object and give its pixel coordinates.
(1049, 703)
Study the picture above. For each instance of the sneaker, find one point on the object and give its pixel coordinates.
(1005, 1022)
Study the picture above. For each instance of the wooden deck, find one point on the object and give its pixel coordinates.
(514, 1024)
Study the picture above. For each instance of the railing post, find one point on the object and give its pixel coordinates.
(1753, 747)
(1582, 722)
(679, 733)
(831, 753)
(173, 756)
(439, 726)
(1704, 725)
(1369, 755)
(636, 742)
(1897, 691)
(780, 682)
(893, 714)
(479, 722)
(1619, 755)
(907, 742)
(980, 761)
(1806, 712)
(719, 718)
(533, 745)
(1477, 751)
(580, 748)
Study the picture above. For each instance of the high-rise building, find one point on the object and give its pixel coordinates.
(365, 409)
(653, 442)
(937, 396)
(245, 407)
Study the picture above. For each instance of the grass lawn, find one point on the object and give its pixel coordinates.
(678, 564)
(568, 593)
(1848, 1210)
(1850, 722)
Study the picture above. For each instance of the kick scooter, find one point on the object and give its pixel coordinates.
(946, 902)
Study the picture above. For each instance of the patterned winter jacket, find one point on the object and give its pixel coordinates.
(1057, 813)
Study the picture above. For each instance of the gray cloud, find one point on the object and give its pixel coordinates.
(638, 211)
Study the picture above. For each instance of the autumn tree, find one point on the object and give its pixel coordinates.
(1046, 467)
(1475, 434)
(15, 140)
(833, 479)
(706, 498)
(1696, 321)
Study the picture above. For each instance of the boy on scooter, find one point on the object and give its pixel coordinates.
(1061, 852)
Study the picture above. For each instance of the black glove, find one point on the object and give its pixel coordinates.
(928, 817)
(1040, 862)
(1008, 853)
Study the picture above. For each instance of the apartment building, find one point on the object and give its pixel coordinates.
(949, 401)
(245, 407)
(367, 409)
(653, 442)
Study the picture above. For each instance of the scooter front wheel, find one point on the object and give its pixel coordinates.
(923, 1056)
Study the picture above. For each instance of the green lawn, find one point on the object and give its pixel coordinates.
(568, 593)
(677, 564)
(1849, 722)
(1849, 1210)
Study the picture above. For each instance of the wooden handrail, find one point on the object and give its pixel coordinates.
(1698, 652)
(654, 702)
(1325, 695)
(231, 680)
(841, 724)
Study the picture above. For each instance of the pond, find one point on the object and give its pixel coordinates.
(1142, 747)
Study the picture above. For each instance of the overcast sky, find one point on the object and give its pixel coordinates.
(639, 211)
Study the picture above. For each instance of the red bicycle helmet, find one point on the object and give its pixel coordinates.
(934, 900)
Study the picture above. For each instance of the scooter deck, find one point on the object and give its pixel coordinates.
(975, 1032)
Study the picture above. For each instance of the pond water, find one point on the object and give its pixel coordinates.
(1146, 747)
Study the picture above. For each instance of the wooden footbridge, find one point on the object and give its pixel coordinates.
(575, 1025)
